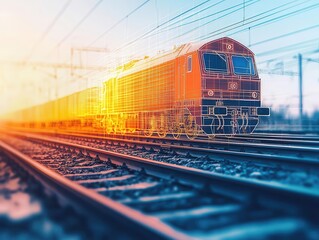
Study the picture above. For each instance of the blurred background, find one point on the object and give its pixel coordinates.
(49, 49)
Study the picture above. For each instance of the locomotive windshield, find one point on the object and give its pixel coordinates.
(243, 65)
(215, 62)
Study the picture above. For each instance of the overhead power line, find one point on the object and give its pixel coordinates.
(164, 23)
(69, 34)
(172, 27)
(284, 35)
(118, 22)
(258, 17)
(277, 18)
(177, 16)
(48, 29)
(299, 46)
(204, 24)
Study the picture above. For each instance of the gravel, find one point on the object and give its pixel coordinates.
(306, 178)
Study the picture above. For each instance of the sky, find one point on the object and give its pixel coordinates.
(43, 31)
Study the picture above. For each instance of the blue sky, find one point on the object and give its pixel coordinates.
(259, 25)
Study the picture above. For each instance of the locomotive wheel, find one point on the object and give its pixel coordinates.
(176, 130)
(148, 132)
(132, 130)
(109, 126)
(122, 128)
(150, 127)
(162, 133)
(211, 136)
(191, 128)
(122, 131)
(162, 126)
(213, 129)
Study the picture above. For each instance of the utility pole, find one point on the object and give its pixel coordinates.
(300, 89)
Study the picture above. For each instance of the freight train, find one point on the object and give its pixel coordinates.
(205, 88)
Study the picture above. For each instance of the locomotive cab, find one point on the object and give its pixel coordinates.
(231, 101)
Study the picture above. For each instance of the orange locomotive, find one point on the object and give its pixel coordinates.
(211, 88)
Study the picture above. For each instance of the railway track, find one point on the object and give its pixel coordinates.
(256, 166)
(276, 153)
(288, 141)
(310, 133)
(216, 205)
(30, 209)
(103, 216)
(284, 139)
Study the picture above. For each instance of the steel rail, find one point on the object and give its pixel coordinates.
(272, 140)
(241, 154)
(311, 133)
(286, 137)
(228, 142)
(302, 199)
(136, 222)
(298, 142)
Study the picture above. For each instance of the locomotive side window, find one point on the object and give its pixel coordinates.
(189, 63)
(243, 65)
(215, 62)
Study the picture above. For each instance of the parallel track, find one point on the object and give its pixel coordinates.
(268, 153)
(290, 140)
(283, 139)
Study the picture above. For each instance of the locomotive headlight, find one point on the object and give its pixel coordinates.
(233, 86)
(254, 94)
(210, 93)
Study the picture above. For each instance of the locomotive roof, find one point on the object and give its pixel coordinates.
(224, 44)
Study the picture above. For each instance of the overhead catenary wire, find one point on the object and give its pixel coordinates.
(176, 17)
(189, 10)
(47, 30)
(285, 35)
(268, 11)
(171, 26)
(257, 17)
(214, 19)
(196, 28)
(277, 19)
(83, 19)
(221, 30)
(186, 12)
(300, 47)
(162, 24)
(118, 22)
(291, 47)
(180, 14)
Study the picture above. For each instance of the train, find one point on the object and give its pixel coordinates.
(211, 88)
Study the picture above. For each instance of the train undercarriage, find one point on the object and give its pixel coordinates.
(179, 121)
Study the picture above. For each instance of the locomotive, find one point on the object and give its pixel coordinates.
(210, 88)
